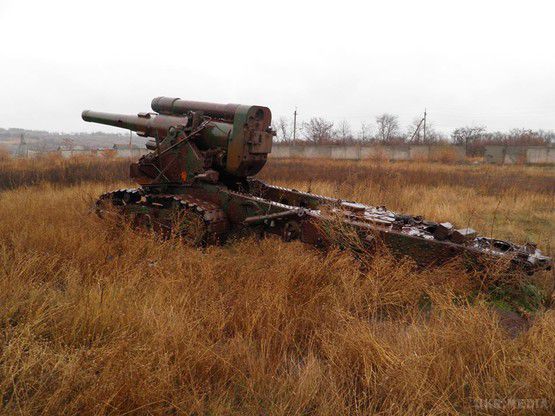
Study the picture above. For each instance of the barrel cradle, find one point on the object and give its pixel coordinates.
(246, 129)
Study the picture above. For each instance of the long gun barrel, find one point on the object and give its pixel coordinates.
(144, 124)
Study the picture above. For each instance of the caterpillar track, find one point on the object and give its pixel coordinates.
(198, 222)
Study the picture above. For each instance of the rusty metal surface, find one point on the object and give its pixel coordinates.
(411, 233)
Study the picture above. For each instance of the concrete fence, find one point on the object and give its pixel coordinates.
(519, 154)
(117, 152)
(358, 152)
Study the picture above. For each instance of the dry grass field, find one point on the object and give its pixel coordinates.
(96, 319)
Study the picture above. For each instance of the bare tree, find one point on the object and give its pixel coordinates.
(526, 137)
(388, 127)
(365, 132)
(547, 136)
(343, 132)
(471, 138)
(467, 135)
(432, 135)
(318, 130)
(283, 129)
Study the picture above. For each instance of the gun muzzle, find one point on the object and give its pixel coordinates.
(123, 121)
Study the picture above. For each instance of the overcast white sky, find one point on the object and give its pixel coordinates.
(468, 62)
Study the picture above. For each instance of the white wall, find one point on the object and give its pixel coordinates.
(356, 152)
(520, 154)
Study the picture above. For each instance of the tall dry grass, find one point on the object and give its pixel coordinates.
(15, 173)
(97, 319)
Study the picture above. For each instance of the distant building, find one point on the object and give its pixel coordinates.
(129, 151)
(73, 151)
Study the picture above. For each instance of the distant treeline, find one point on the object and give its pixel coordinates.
(41, 140)
(387, 130)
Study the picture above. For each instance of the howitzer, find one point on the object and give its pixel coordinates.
(197, 183)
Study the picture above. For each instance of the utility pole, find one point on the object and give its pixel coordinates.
(416, 133)
(295, 125)
(424, 126)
